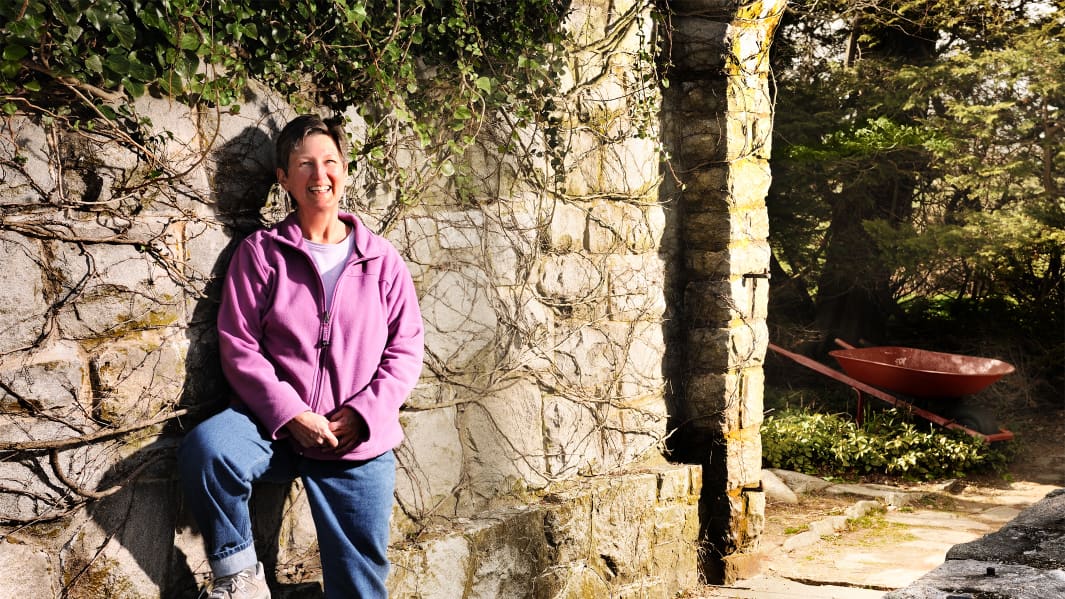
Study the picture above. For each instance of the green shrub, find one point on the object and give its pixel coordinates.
(829, 444)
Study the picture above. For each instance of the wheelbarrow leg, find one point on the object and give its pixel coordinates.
(859, 416)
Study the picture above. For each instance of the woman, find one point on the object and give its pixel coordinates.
(321, 339)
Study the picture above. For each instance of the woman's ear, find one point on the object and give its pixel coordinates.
(281, 178)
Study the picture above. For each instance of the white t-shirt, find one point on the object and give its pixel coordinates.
(330, 259)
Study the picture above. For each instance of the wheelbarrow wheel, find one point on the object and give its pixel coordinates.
(977, 418)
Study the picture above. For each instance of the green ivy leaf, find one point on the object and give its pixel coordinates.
(189, 41)
(15, 53)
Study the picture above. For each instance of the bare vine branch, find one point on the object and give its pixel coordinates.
(100, 435)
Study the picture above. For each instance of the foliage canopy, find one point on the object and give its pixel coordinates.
(436, 64)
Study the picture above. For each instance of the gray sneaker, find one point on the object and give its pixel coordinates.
(249, 583)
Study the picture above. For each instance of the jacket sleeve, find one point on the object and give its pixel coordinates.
(401, 361)
(246, 296)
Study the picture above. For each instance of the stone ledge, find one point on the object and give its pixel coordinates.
(633, 530)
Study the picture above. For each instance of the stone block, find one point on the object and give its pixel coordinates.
(709, 349)
(566, 226)
(181, 149)
(460, 230)
(675, 553)
(637, 428)
(570, 581)
(431, 393)
(586, 358)
(112, 289)
(617, 227)
(54, 380)
(460, 320)
(675, 483)
(708, 189)
(640, 373)
(629, 167)
(571, 279)
(568, 526)
(130, 540)
(702, 140)
(709, 303)
(622, 514)
(431, 569)
(707, 401)
(503, 440)
(507, 556)
(31, 487)
(296, 537)
(138, 376)
(29, 568)
(416, 239)
(726, 401)
(746, 518)
(742, 566)
(23, 307)
(573, 438)
(207, 249)
(509, 245)
(21, 137)
(635, 286)
(429, 462)
(743, 457)
(708, 230)
(699, 44)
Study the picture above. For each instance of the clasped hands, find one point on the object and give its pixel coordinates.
(338, 433)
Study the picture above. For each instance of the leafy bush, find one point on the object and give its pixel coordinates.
(813, 443)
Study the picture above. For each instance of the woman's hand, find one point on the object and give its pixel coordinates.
(312, 430)
(348, 427)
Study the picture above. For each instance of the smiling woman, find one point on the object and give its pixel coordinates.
(321, 339)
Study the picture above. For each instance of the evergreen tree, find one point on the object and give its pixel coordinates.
(917, 155)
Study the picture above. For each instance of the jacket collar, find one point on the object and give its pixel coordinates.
(367, 245)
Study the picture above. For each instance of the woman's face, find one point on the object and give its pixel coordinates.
(317, 174)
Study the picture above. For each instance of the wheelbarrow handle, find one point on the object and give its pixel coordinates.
(843, 343)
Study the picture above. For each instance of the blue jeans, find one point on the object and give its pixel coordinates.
(351, 502)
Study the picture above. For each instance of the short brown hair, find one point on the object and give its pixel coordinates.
(301, 127)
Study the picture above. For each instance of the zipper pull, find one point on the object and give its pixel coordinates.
(323, 331)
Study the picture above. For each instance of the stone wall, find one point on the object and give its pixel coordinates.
(578, 313)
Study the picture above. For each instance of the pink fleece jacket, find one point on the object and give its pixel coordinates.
(284, 354)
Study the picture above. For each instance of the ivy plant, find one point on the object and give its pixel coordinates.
(435, 65)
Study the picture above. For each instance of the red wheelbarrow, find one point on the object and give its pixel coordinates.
(941, 378)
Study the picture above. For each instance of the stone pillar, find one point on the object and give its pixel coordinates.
(717, 121)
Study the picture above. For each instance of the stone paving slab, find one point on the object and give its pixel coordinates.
(818, 564)
(771, 587)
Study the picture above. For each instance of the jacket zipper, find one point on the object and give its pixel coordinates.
(324, 327)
